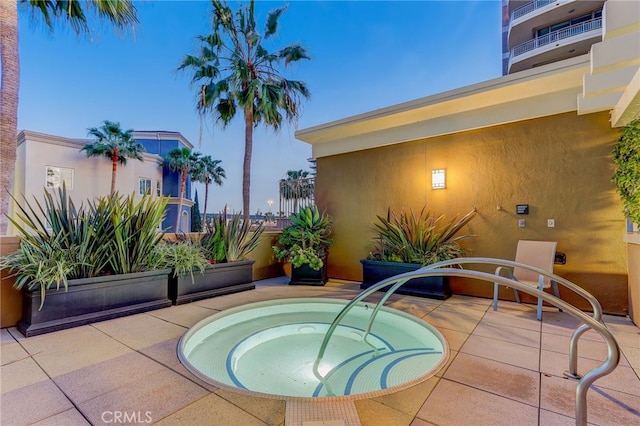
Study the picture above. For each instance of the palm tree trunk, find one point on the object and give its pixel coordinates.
(183, 184)
(206, 197)
(246, 167)
(10, 59)
(114, 168)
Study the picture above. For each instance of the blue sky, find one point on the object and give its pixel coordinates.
(365, 56)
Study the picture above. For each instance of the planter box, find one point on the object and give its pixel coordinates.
(90, 300)
(374, 271)
(304, 275)
(219, 279)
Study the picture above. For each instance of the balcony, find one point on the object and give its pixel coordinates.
(567, 42)
(529, 8)
(540, 13)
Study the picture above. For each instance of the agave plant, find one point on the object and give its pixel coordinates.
(306, 240)
(230, 240)
(418, 238)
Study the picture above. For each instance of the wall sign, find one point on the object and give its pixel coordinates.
(522, 208)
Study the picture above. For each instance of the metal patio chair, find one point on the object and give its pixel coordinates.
(540, 254)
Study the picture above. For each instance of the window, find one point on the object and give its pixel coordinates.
(158, 188)
(57, 175)
(145, 186)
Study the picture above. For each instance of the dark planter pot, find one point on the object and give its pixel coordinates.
(219, 279)
(304, 275)
(374, 271)
(90, 300)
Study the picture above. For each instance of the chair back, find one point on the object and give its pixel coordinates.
(541, 254)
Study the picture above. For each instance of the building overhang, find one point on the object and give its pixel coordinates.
(606, 79)
(29, 135)
(25, 135)
(543, 91)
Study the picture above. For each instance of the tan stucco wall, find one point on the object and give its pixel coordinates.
(266, 266)
(559, 165)
(10, 298)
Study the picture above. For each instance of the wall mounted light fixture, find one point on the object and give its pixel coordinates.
(438, 179)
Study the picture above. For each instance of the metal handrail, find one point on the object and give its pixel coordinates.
(613, 351)
(572, 372)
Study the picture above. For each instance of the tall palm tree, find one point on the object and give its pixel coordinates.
(121, 13)
(296, 186)
(115, 144)
(181, 160)
(208, 170)
(233, 71)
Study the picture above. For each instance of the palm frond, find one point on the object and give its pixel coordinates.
(271, 26)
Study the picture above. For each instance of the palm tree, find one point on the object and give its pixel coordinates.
(181, 160)
(296, 186)
(233, 71)
(121, 13)
(208, 170)
(115, 144)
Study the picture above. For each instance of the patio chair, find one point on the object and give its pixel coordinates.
(535, 253)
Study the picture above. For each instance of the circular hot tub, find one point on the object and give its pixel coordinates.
(270, 348)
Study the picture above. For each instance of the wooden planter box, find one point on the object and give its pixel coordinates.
(304, 275)
(219, 279)
(374, 271)
(90, 300)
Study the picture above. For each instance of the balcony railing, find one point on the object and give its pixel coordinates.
(529, 7)
(570, 31)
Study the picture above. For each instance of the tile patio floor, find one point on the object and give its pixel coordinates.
(505, 368)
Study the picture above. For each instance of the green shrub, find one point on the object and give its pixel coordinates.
(626, 161)
(184, 257)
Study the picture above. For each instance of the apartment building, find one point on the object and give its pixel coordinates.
(539, 32)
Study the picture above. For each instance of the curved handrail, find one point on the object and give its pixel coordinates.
(613, 351)
(572, 372)
(597, 308)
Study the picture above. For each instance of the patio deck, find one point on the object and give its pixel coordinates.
(505, 368)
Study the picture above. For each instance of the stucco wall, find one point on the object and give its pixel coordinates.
(92, 176)
(559, 165)
(10, 298)
(266, 266)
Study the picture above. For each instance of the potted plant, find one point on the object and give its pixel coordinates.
(406, 241)
(225, 245)
(185, 258)
(305, 244)
(99, 254)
